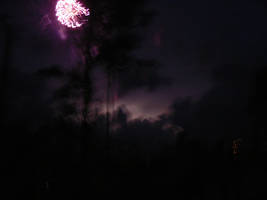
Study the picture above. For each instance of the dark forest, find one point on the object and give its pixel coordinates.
(133, 98)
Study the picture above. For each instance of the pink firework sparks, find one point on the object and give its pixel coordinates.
(71, 12)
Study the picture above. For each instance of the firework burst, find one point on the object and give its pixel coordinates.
(71, 13)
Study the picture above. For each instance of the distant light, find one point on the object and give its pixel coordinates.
(71, 13)
(236, 147)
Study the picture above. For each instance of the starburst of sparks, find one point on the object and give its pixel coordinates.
(71, 13)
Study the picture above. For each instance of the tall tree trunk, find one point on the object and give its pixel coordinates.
(5, 66)
(109, 80)
(86, 128)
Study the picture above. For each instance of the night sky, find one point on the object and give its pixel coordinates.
(190, 39)
(210, 75)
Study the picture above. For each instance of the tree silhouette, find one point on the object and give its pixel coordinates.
(8, 33)
(109, 40)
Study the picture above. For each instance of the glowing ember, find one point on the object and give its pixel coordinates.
(71, 13)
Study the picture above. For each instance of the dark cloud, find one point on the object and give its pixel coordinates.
(224, 110)
(142, 76)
